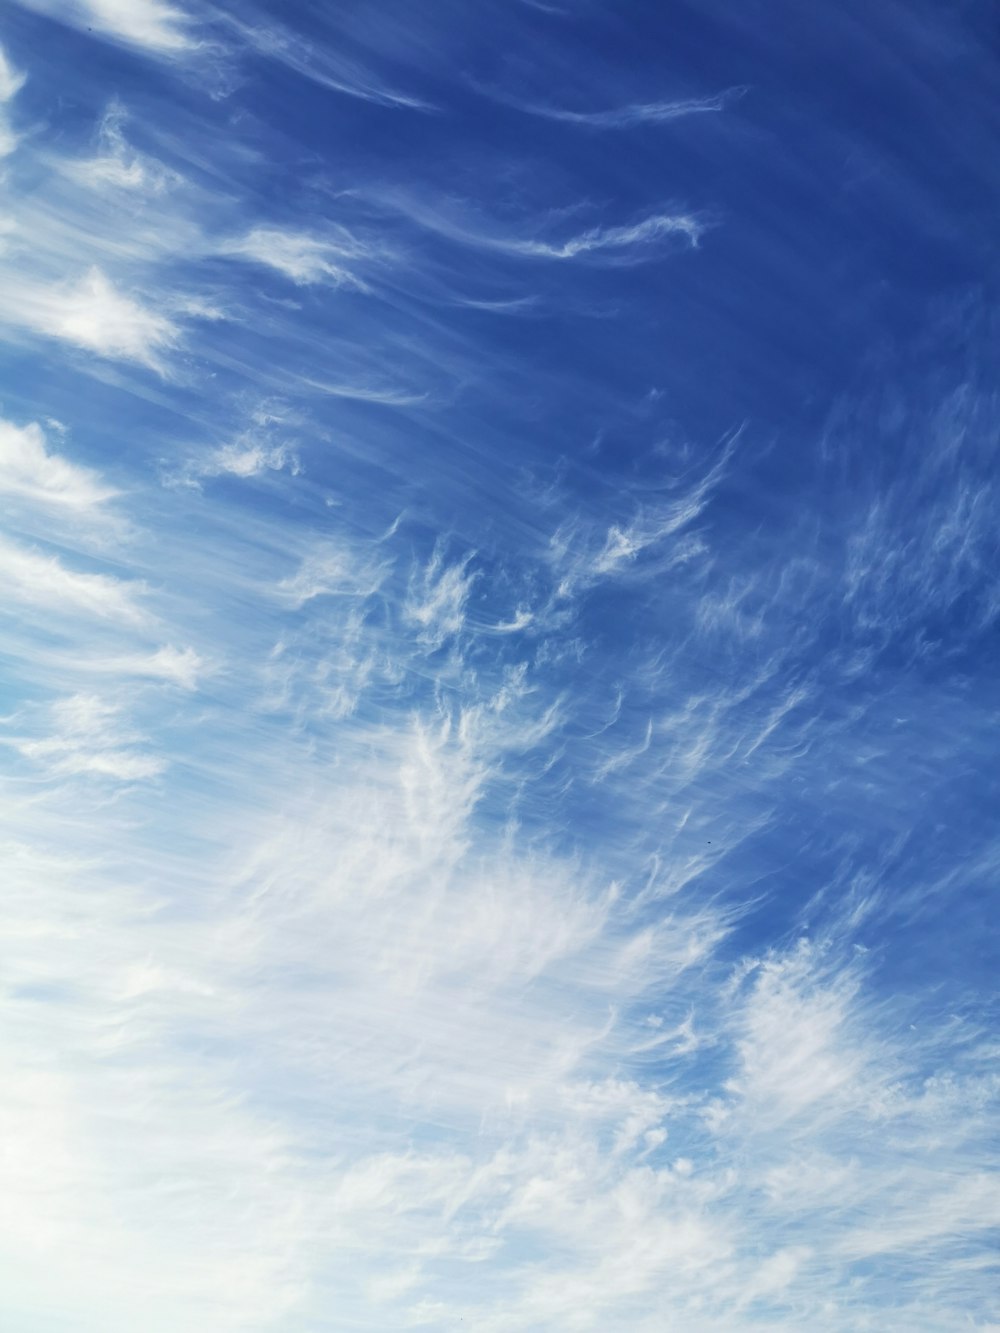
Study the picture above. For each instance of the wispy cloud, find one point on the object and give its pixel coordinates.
(623, 244)
(86, 737)
(157, 26)
(94, 315)
(320, 63)
(45, 581)
(29, 469)
(11, 79)
(437, 598)
(582, 553)
(116, 165)
(182, 667)
(11, 83)
(301, 257)
(367, 393)
(631, 115)
(247, 458)
(332, 570)
(619, 242)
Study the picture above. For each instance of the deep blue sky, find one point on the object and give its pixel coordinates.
(500, 512)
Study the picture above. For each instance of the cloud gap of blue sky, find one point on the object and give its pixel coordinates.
(500, 557)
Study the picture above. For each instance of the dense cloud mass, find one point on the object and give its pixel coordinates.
(500, 513)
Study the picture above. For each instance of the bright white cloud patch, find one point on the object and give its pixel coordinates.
(94, 315)
(301, 257)
(248, 459)
(157, 26)
(29, 468)
(45, 581)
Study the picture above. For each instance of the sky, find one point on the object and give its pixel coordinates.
(500, 508)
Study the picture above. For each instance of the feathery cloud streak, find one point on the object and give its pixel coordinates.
(154, 25)
(638, 113)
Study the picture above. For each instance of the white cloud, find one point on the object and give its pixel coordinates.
(631, 243)
(96, 317)
(28, 469)
(626, 541)
(263, 445)
(478, 981)
(332, 570)
(86, 737)
(117, 165)
(44, 581)
(150, 23)
(11, 79)
(636, 113)
(367, 393)
(302, 257)
(157, 26)
(951, 1207)
(616, 240)
(797, 1053)
(327, 66)
(11, 82)
(583, 553)
(437, 597)
(775, 1273)
(471, 981)
(246, 457)
(175, 666)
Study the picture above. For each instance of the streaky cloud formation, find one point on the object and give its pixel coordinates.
(628, 243)
(178, 666)
(323, 65)
(497, 817)
(617, 240)
(29, 469)
(158, 26)
(45, 582)
(302, 258)
(116, 165)
(92, 314)
(11, 82)
(639, 113)
(85, 738)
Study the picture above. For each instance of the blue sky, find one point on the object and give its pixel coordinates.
(500, 510)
